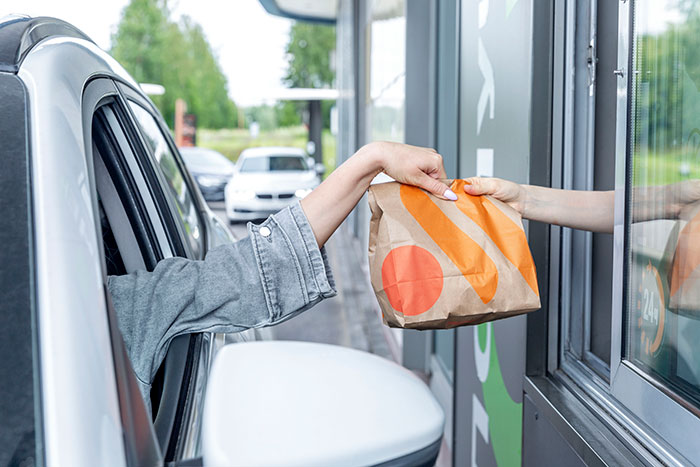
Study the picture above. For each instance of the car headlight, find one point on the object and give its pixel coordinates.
(301, 194)
(208, 180)
(243, 195)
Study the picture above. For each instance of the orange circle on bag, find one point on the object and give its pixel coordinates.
(412, 279)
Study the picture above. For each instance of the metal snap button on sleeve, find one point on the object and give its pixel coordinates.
(265, 231)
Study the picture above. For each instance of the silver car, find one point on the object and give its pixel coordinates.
(91, 185)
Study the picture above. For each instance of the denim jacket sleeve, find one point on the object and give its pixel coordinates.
(273, 274)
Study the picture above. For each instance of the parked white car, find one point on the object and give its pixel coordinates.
(266, 180)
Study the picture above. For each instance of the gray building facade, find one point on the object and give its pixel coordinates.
(567, 94)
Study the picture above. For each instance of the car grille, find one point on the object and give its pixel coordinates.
(275, 196)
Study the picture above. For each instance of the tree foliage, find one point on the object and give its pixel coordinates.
(310, 50)
(309, 53)
(155, 49)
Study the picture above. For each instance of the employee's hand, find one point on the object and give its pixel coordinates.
(331, 202)
(585, 210)
(509, 192)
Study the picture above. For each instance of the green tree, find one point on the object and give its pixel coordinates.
(309, 53)
(309, 59)
(178, 56)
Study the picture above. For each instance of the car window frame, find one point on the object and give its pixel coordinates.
(176, 432)
(139, 437)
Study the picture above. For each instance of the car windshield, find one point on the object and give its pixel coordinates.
(273, 164)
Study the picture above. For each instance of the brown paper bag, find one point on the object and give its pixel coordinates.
(438, 264)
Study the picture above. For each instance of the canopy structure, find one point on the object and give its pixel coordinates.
(317, 11)
(302, 94)
(326, 11)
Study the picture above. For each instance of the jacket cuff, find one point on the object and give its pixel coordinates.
(295, 273)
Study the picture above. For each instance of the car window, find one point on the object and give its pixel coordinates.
(273, 164)
(287, 163)
(20, 430)
(181, 194)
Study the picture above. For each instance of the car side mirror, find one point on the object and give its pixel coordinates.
(300, 403)
(320, 169)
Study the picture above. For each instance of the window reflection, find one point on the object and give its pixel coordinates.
(387, 55)
(184, 203)
(663, 302)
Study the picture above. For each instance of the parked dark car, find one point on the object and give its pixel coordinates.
(211, 170)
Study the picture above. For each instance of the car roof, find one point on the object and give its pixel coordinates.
(19, 34)
(273, 151)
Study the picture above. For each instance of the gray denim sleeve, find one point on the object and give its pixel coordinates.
(258, 281)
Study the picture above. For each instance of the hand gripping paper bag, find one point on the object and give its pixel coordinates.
(438, 264)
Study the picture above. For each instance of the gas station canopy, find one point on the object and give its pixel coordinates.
(317, 11)
(302, 94)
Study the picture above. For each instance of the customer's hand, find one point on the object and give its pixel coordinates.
(510, 193)
(414, 165)
(331, 202)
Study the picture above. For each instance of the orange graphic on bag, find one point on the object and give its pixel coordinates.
(440, 264)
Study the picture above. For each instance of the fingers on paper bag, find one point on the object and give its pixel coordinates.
(480, 186)
(436, 187)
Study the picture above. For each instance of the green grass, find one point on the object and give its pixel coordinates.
(663, 169)
(230, 142)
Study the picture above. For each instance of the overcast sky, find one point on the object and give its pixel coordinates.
(249, 42)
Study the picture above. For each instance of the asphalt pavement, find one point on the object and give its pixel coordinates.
(349, 319)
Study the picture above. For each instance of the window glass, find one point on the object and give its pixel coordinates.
(387, 70)
(274, 164)
(20, 428)
(179, 190)
(663, 280)
(445, 350)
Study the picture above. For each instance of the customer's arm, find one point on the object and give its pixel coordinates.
(276, 272)
(585, 210)
(331, 202)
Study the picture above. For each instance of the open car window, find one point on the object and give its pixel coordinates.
(135, 236)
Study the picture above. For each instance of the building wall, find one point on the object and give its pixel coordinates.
(494, 141)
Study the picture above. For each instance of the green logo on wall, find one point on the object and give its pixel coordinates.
(504, 415)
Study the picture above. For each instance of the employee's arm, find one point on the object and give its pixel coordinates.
(589, 210)
(331, 202)
(585, 210)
